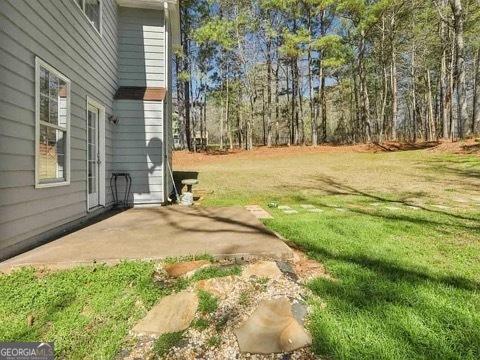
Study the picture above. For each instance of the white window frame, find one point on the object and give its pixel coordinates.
(82, 10)
(38, 182)
(101, 145)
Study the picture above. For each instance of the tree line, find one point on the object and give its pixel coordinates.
(316, 71)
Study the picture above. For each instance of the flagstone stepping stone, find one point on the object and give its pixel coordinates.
(171, 314)
(182, 268)
(219, 287)
(413, 207)
(375, 204)
(307, 206)
(287, 270)
(290, 212)
(272, 329)
(258, 212)
(284, 207)
(315, 210)
(262, 269)
(299, 311)
(392, 208)
(442, 207)
(340, 209)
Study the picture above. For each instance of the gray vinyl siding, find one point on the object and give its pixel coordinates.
(139, 144)
(141, 47)
(139, 149)
(58, 33)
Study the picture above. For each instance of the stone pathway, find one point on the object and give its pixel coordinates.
(412, 204)
(258, 212)
(171, 314)
(272, 329)
(260, 313)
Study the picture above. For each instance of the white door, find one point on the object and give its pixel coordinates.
(93, 156)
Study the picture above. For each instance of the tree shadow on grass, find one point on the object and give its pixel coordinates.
(330, 186)
(380, 309)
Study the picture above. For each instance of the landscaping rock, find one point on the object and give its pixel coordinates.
(171, 314)
(258, 212)
(220, 287)
(287, 270)
(272, 329)
(299, 311)
(263, 269)
(290, 212)
(179, 269)
(307, 206)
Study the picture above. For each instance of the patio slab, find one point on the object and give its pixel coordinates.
(157, 233)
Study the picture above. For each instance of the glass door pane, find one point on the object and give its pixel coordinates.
(92, 155)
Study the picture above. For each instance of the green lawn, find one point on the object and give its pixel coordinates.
(407, 280)
(86, 312)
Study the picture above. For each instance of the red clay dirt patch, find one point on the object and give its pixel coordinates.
(469, 146)
(186, 159)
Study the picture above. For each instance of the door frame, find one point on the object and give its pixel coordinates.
(101, 150)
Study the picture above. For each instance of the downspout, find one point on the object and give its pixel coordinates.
(166, 104)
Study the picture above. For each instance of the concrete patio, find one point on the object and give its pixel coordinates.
(156, 233)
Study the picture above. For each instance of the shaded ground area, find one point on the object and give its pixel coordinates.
(156, 233)
(400, 230)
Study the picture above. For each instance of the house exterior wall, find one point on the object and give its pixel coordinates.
(60, 34)
(139, 137)
(141, 47)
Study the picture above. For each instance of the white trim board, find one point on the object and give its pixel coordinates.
(101, 149)
(38, 184)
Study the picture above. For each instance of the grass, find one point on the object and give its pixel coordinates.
(201, 324)
(214, 341)
(165, 342)
(207, 303)
(215, 272)
(408, 279)
(86, 311)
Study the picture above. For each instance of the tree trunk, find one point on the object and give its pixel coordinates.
(365, 101)
(227, 115)
(458, 16)
(269, 93)
(313, 119)
(394, 83)
(414, 97)
(277, 107)
(476, 95)
(444, 81)
(431, 118)
(186, 84)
